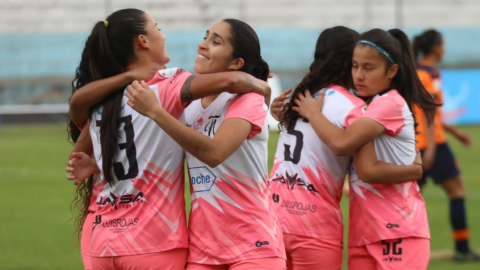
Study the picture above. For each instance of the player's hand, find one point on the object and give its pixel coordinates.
(278, 106)
(307, 105)
(80, 167)
(142, 99)
(146, 72)
(261, 87)
(464, 139)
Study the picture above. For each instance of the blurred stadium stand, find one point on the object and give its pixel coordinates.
(41, 41)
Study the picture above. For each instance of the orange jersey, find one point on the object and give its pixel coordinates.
(431, 80)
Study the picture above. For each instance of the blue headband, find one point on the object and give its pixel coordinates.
(378, 48)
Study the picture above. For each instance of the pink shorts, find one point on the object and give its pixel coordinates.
(174, 259)
(85, 241)
(253, 264)
(404, 253)
(305, 253)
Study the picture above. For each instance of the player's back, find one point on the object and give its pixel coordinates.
(144, 210)
(307, 177)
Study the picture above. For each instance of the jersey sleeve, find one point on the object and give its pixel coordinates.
(169, 91)
(250, 107)
(387, 111)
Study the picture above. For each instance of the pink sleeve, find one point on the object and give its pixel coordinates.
(169, 92)
(250, 107)
(388, 111)
(353, 115)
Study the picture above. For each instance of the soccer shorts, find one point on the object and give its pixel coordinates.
(444, 167)
(174, 259)
(252, 264)
(305, 253)
(85, 241)
(410, 253)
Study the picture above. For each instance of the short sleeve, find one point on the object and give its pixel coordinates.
(169, 90)
(387, 110)
(250, 107)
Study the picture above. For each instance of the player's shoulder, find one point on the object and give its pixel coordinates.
(169, 75)
(432, 72)
(388, 98)
(334, 92)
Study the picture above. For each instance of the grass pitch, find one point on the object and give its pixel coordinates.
(36, 230)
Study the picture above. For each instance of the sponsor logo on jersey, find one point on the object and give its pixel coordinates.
(261, 243)
(294, 182)
(198, 124)
(120, 222)
(177, 73)
(276, 198)
(121, 200)
(391, 225)
(210, 126)
(98, 220)
(202, 178)
(299, 207)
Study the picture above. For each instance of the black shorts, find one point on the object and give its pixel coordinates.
(444, 167)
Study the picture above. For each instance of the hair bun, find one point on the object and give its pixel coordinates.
(261, 70)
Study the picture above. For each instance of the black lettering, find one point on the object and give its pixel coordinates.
(397, 251)
(386, 249)
(138, 197)
(107, 201)
(126, 199)
(298, 146)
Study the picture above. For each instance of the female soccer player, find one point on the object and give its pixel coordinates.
(388, 223)
(307, 176)
(233, 222)
(140, 220)
(439, 161)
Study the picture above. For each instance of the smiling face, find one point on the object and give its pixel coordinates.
(369, 71)
(156, 40)
(215, 52)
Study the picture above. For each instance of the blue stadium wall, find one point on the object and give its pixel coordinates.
(27, 57)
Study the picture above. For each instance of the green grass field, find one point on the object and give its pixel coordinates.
(36, 230)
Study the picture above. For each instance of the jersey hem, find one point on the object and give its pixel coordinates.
(146, 251)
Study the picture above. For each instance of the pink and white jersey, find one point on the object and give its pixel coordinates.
(232, 218)
(307, 177)
(144, 211)
(387, 211)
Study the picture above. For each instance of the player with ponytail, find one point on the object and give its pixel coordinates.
(388, 221)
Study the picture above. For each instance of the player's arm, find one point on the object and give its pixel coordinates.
(235, 82)
(212, 151)
(279, 105)
(431, 149)
(80, 164)
(371, 170)
(343, 142)
(459, 135)
(87, 96)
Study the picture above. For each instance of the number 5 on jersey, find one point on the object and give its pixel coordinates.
(298, 145)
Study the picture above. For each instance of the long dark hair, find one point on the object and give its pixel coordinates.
(108, 51)
(332, 64)
(396, 43)
(246, 45)
(424, 43)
